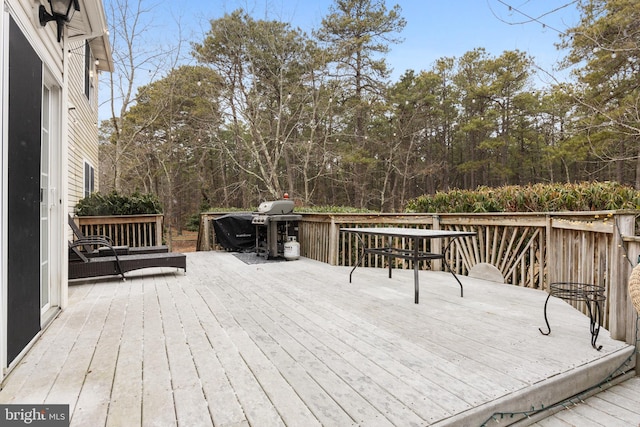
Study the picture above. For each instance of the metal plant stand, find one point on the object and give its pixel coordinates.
(592, 295)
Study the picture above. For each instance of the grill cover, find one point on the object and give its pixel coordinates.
(235, 232)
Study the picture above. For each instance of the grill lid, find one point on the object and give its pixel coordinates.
(276, 207)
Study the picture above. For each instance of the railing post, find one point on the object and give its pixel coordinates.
(620, 309)
(159, 231)
(549, 255)
(436, 248)
(203, 235)
(334, 242)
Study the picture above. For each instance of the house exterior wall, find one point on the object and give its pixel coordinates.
(53, 76)
(83, 126)
(20, 296)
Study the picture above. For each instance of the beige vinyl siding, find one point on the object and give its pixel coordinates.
(83, 118)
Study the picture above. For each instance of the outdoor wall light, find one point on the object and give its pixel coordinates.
(61, 11)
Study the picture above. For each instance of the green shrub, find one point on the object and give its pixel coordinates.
(586, 196)
(98, 204)
(331, 209)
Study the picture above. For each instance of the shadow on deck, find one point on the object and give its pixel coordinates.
(293, 343)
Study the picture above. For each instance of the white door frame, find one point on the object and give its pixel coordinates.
(53, 196)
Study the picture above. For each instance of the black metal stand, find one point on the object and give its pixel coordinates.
(592, 295)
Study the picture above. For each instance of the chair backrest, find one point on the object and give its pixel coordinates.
(634, 287)
(75, 228)
(87, 243)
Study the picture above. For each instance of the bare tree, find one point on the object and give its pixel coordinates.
(270, 102)
(138, 58)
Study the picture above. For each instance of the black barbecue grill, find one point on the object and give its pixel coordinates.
(275, 222)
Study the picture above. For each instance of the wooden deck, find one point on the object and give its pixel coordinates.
(293, 343)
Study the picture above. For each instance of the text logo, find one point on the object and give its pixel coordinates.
(34, 415)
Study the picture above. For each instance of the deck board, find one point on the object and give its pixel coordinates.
(293, 343)
(158, 407)
(126, 390)
(189, 398)
(378, 349)
(254, 403)
(237, 321)
(341, 337)
(77, 341)
(96, 393)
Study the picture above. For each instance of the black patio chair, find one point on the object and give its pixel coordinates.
(81, 266)
(95, 256)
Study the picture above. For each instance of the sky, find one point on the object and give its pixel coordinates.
(434, 29)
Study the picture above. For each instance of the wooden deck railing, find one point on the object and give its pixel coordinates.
(530, 249)
(124, 230)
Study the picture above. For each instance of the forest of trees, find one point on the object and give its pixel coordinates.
(269, 109)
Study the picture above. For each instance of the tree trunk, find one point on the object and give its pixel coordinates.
(638, 168)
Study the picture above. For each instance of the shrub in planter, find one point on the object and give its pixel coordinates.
(98, 204)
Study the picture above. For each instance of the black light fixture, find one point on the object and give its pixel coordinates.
(61, 11)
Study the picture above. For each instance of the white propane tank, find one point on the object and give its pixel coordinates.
(291, 249)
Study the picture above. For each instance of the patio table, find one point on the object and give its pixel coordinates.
(414, 253)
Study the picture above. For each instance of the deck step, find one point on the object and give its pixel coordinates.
(518, 406)
(613, 406)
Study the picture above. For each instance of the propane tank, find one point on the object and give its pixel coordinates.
(291, 249)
